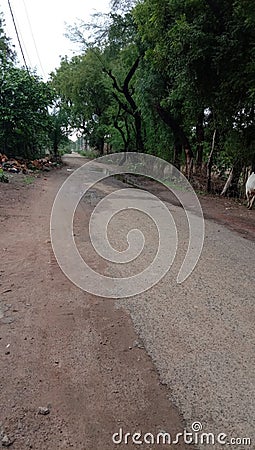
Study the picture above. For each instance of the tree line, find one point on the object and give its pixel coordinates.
(173, 78)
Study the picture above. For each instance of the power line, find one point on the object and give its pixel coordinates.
(23, 44)
(17, 34)
(32, 34)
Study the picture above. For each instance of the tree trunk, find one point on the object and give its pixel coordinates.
(189, 162)
(200, 140)
(210, 163)
(123, 159)
(228, 182)
(132, 110)
(136, 113)
(55, 146)
(180, 137)
(231, 186)
(177, 155)
(119, 129)
(138, 129)
(100, 145)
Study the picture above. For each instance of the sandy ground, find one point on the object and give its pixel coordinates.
(160, 361)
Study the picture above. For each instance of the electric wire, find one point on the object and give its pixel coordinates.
(23, 45)
(17, 34)
(32, 34)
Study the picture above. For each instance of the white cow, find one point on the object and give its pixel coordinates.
(250, 190)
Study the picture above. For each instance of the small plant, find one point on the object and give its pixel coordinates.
(3, 177)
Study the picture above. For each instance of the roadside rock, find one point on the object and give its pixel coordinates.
(43, 410)
(7, 441)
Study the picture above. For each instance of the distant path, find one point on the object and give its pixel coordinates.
(72, 155)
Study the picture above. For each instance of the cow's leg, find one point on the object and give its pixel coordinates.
(252, 201)
(248, 200)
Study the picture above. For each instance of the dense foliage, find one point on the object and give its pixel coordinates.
(27, 125)
(174, 78)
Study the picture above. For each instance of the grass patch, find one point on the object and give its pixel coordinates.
(28, 179)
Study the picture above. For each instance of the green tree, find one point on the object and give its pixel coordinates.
(120, 55)
(24, 116)
(24, 105)
(7, 53)
(80, 83)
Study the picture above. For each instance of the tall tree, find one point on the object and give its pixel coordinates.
(120, 54)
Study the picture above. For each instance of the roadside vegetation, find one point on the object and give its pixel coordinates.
(31, 121)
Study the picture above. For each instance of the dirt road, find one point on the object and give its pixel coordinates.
(159, 362)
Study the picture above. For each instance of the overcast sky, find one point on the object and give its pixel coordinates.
(47, 20)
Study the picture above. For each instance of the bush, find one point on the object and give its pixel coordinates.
(90, 154)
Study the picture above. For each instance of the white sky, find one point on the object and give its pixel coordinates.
(47, 20)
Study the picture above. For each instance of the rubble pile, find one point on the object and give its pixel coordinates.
(20, 165)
